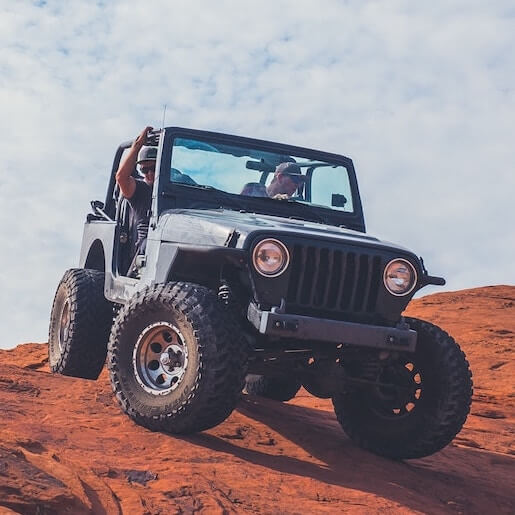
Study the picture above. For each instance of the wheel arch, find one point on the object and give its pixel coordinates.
(95, 259)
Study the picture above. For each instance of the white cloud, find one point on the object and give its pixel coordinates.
(422, 97)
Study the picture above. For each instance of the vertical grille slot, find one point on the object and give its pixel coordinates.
(321, 281)
(375, 280)
(302, 272)
(336, 280)
(308, 276)
(362, 276)
(330, 272)
(341, 284)
(348, 284)
(316, 276)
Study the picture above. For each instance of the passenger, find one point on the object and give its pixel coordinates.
(287, 179)
(138, 192)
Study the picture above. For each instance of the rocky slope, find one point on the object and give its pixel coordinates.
(65, 447)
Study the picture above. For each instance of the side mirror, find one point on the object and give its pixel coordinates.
(98, 209)
(338, 200)
(97, 205)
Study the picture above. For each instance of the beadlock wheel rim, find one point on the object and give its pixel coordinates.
(160, 358)
(64, 325)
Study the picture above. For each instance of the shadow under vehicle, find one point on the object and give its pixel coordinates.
(240, 288)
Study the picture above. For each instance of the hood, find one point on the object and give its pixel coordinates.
(216, 227)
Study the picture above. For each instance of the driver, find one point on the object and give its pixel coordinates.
(138, 192)
(287, 179)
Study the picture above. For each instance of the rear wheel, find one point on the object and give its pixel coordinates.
(419, 402)
(272, 387)
(177, 359)
(80, 322)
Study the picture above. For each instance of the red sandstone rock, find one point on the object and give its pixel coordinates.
(65, 447)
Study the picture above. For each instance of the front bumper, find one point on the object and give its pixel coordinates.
(275, 323)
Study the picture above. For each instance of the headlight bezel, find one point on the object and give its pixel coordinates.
(284, 251)
(414, 277)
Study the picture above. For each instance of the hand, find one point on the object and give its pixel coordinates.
(142, 138)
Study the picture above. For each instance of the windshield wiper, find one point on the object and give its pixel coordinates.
(313, 214)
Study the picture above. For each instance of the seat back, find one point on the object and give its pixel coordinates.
(127, 235)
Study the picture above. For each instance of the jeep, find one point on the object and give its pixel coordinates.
(242, 289)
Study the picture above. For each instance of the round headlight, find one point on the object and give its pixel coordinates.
(400, 277)
(270, 258)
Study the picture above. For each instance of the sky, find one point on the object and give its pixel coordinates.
(421, 95)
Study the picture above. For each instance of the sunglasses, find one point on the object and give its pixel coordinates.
(144, 169)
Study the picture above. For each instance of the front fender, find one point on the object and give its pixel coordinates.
(195, 263)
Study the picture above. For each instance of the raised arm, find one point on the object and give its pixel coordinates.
(124, 176)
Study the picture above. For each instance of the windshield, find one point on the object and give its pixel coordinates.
(249, 172)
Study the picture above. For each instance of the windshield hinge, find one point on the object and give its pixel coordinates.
(232, 239)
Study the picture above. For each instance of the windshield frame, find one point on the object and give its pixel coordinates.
(176, 195)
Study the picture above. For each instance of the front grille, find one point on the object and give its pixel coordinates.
(331, 279)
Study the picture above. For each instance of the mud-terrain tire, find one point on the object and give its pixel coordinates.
(423, 418)
(80, 323)
(177, 359)
(272, 387)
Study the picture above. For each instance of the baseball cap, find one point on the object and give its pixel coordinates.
(291, 169)
(147, 154)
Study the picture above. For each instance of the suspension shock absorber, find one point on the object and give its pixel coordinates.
(224, 294)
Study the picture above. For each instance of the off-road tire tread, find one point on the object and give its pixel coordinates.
(85, 351)
(277, 388)
(453, 408)
(222, 366)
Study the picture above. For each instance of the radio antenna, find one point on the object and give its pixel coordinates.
(164, 115)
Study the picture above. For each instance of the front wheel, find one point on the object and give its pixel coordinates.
(177, 360)
(419, 402)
